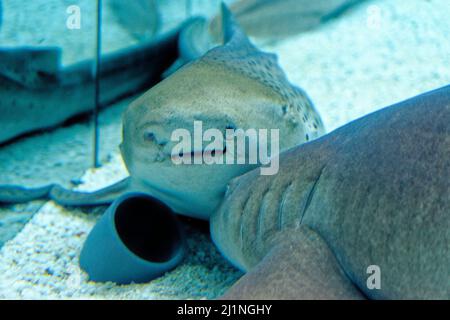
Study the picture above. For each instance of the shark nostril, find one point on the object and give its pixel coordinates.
(149, 136)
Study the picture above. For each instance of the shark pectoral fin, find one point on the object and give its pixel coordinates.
(103, 196)
(302, 267)
(18, 194)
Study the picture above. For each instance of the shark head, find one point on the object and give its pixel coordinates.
(217, 98)
(231, 87)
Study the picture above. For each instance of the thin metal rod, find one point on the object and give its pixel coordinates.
(96, 160)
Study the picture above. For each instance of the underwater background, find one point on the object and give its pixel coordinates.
(378, 53)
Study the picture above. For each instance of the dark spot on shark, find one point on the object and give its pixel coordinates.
(149, 136)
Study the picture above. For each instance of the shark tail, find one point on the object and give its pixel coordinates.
(10, 194)
(17, 194)
(103, 196)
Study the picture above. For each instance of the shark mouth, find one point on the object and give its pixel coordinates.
(201, 153)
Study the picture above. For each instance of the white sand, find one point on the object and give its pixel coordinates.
(348, 67)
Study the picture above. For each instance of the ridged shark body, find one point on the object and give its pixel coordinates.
(372, 195)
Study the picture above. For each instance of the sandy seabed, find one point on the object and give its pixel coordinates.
(381, 53)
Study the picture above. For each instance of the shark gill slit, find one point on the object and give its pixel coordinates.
(310, 195)
(281, 210)
(226, 211)
(260, 215)
(241, 224)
